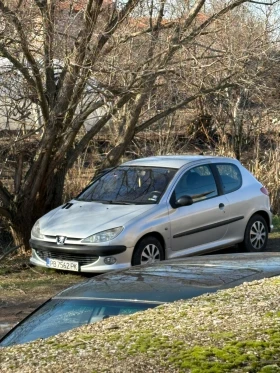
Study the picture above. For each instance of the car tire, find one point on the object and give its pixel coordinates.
(148, 250)
(256, 235)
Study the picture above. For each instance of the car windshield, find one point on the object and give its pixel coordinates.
(59, 315)
(131, 185)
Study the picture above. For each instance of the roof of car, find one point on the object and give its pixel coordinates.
(172, 161)
(172, 280)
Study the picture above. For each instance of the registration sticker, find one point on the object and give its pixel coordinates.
(62, 264)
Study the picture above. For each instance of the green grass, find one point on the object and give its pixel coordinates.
(18, 279)
(276, 223)
(276, 230)
(245, 355)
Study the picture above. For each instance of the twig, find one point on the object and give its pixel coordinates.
(12, 249)
(33, 270)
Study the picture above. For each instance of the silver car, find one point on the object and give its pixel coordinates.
(152, 209)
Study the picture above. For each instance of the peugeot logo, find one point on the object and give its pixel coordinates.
(60, 240)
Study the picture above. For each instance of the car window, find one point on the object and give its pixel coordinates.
(59, 315)
(141, 185)
(199, 183)
(230, 176)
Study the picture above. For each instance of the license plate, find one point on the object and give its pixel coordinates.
(62, 264)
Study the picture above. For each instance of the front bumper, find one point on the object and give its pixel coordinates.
(78, 249)
(90, 257)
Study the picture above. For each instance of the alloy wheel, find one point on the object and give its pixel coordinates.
(257, 235)
(150, 254)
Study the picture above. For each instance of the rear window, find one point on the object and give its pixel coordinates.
(230, 176)
(59, 315)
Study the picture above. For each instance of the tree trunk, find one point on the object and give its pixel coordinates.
(25, 214)
(53, 194)
(20, 227)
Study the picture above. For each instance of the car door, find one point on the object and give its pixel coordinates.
(204, 221)
(231, 182)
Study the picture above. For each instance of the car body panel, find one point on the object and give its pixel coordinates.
(72, 222)
(171, 161)
(199, 223)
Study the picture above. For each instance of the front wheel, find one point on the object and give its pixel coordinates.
(256, 234)
(148, 250)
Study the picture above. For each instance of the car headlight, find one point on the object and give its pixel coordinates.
(104, 235)
(36, 231)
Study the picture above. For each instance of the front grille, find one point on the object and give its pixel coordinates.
(53, 238)
(83, 259)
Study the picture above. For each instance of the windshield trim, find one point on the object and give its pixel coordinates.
(132, 202)
(110, 299)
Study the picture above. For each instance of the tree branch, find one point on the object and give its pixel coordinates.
(164, 26)
(4, 212)
(20, 67)
(68, 141)
(48, 21)
(9, 251)
(180, 105)
(96, 128)
(28, 55)
(5, 201)
(263, 3)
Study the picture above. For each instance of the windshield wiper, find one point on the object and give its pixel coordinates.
(93, 200)
(109, 202)
(112, 202)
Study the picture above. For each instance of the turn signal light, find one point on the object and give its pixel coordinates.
(264, 191)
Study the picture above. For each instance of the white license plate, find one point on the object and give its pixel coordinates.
(62, 264)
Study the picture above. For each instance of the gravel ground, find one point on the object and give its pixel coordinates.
(234, 330)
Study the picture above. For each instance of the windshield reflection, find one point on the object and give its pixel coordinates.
(59, 315)
(129, 185)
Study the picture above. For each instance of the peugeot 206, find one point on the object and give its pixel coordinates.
(152, 209)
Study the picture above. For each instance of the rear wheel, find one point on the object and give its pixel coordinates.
(148, 250)
(256, 234)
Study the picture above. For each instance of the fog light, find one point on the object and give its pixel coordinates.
(110, 260)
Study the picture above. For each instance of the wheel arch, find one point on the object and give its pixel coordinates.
(156, 235)
(265, 215)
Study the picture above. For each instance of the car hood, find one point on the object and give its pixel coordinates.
(80, 219)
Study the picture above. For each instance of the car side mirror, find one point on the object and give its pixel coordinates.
(184, 201)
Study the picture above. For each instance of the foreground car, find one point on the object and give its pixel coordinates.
(152, 209)
(128, 291)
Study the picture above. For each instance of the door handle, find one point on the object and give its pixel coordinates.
(221, 205)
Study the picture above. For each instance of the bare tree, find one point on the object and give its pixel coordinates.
(251, 45)
(104, 64)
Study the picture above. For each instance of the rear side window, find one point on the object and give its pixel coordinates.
(230, 177)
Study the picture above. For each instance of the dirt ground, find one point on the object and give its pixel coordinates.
(24, 287)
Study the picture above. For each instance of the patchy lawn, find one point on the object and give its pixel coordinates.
(234, 330)
(24, 287)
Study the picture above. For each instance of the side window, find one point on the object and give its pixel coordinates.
(199, 183)
(230, 176)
